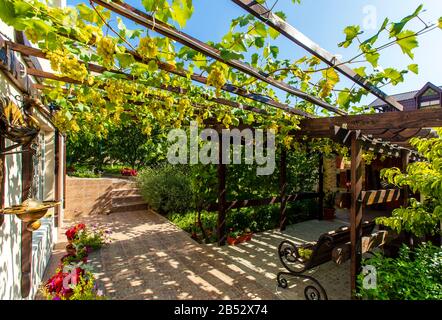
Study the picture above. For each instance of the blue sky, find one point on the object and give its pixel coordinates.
(323, 21)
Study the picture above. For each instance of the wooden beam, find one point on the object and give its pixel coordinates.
(283, 189)
(230, 205)
(222, 172)
(355, 212)
(149, 22)
(272, 20)
(422, 118)
(371, 197)
(10, 66)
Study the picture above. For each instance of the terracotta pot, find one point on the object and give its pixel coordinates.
(249, 236)
(232, 241)
(70, 249)
(329, 213)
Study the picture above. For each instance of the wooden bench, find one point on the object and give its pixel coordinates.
(321, 252)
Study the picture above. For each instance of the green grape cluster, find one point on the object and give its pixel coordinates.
(67, 64)
(147, 48)
(106, 48)
(216, 79)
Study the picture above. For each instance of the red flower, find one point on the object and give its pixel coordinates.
(72, 232)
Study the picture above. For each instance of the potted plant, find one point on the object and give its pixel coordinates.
(237, 237)
(329, 205)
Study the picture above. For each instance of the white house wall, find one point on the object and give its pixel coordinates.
(10, 232)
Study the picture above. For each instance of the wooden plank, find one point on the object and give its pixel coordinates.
(355, 212)
(342, 253)
(290, 32)
(283, 189)
(149, 22)
(422, 118)
(371, 197)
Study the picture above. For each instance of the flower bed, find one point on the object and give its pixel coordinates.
(235, 237)
(74, 279)
(129, 172)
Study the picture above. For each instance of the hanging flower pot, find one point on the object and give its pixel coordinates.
(70, 249)
(31, 211)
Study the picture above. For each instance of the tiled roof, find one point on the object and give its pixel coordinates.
(399, 97)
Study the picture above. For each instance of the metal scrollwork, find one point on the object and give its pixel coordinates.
(313, 290)
(19, 127)
(295, 264)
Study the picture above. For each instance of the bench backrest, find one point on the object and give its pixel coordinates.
(322, 251)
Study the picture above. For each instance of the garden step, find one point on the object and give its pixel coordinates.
(134, 198)
(125, 192)
(124, 184)
(125, 207)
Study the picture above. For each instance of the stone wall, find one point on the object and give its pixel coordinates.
(91, 196)
(329, 174)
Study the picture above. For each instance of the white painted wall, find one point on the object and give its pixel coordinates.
(10, 232)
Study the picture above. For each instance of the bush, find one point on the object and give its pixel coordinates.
(412, 276)
(166, 189)
(256, 219)
(84, 172)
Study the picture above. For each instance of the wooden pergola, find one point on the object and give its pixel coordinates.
(383, 133)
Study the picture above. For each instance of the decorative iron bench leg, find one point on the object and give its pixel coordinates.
(311, 292)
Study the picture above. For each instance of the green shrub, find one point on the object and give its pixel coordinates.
(166, 189)
(412, 276)
(84, 172)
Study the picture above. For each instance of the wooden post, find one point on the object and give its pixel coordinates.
(2, 178)
(356, 211)
(64, 172)
(283, 189)
(405, 156)
(221, 228)
(57, 175)
(321, 188)
(26, 235)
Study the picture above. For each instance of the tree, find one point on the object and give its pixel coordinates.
(423, 216)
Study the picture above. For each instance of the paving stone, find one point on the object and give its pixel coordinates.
(150, 258)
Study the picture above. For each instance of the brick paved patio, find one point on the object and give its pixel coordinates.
(150, 258)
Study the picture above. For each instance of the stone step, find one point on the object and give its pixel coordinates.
(124, 184)
(116, 201)
(122, 192)
(125, 207)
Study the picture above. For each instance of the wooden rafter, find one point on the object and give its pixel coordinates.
(290, 32)
(149, 22)
(423, 118)
(229, 88)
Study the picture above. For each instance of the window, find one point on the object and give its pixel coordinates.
(429, 104)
